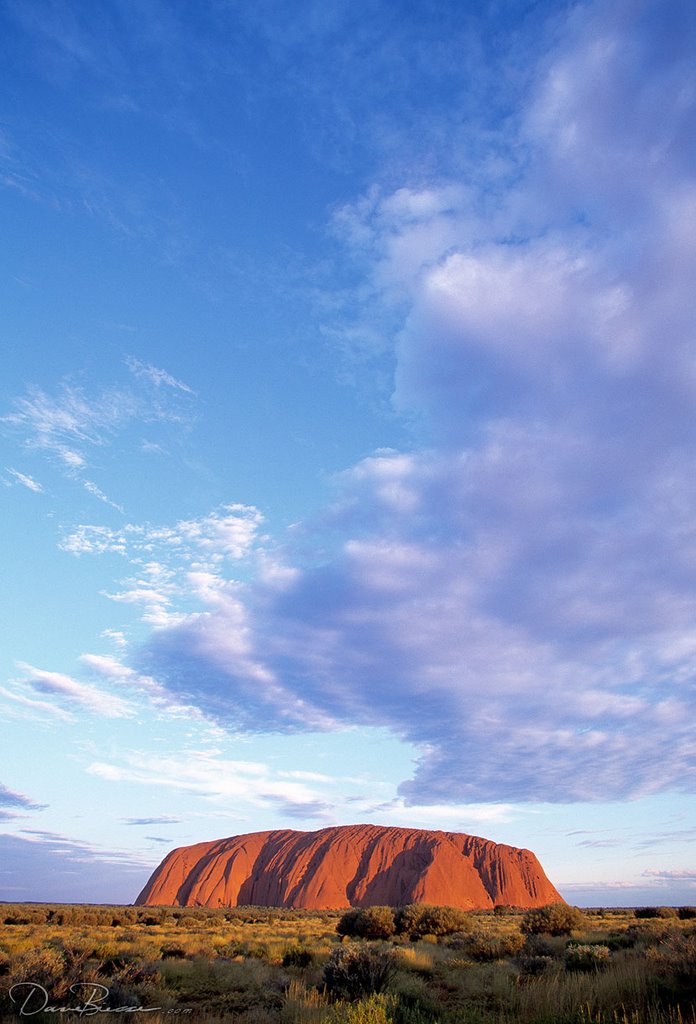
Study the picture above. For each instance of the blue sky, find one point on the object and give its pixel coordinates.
(347, 426)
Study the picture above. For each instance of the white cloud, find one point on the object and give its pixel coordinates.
(70, 424)
(26, 481)
(154, 375)
(216, 779)
(518, 600)
(97, 492)
(230, 532)
(117, 637)
(74, 693)
(684, 875)
(34, 708)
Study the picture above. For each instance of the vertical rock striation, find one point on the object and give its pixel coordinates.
(350, 866)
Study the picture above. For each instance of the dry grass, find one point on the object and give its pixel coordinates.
(233, 965)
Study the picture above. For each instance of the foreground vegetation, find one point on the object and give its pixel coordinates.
(418, 965)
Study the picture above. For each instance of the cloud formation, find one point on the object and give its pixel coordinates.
(9, 798)
(219, 780)
(48, 867)
(25, 480)
(69, 694)
(67, 427)
(515, 594)
(517, 599)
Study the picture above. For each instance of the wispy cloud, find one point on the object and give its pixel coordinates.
(25, 480)
(683, 875)
(41, 865)
(160, 820)
(10, 798)
(69, 425)
(216, 778)
(72, 693)
(156, 376)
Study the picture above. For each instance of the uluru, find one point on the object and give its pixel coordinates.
(350, 866)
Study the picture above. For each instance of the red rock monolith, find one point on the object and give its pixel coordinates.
(350, 866)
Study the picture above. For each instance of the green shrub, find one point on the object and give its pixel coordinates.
(367, 923)
(45, 966)
(170, 951)
(620, 940)
(553, 919)
(686, 913)
(539, 945)
(531, 965)
(419, 919)
(645, 933)
(114, 964)
(586, 958)
(484, 947)
(675, 957)
(652, 912)
(356, 970)
(297, 956)
(375, 1009)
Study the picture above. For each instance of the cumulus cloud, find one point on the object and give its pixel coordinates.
(182, 564)
(229, 532)
(518, 599)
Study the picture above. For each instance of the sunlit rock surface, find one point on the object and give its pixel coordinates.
(350, 866)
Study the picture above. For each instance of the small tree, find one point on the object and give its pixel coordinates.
(553, 919)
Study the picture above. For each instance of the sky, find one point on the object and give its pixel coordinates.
(347, 432)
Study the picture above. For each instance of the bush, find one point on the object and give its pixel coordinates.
(45, 966)
(419, 919)
(297, 956)
(485, 947)
(375, 1009)
(651, 912)
(675, 957)
(553, 919)
(171, 951)
(586, 958)
(686, 913)
(646, 933)
(356, 970)
(367, 923)
(534, 964)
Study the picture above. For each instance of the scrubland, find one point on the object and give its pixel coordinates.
(259, 965)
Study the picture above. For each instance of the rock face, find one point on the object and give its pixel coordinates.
(350, 866)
